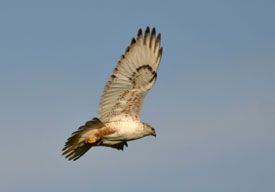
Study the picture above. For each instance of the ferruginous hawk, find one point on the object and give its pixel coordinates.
(120, 104)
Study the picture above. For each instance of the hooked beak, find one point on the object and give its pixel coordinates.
(154, 134)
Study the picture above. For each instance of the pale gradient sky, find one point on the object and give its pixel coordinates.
(213, 105)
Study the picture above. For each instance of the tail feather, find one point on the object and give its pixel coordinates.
(76, 145)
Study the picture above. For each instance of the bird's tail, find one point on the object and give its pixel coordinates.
(82, 140)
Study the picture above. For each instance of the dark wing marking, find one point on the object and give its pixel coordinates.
(132, 78)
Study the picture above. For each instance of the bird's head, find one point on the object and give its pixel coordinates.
(149, 130)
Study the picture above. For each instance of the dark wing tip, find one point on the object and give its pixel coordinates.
(146, 35)
(153, 33)
(147, 30)
(133, 41)
(158, 38)
(127, 50)
(153, 37)
(160, 51)
(139, 35)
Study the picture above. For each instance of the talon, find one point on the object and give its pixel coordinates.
(91, 140)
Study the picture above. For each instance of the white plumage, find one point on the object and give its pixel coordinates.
(122, 99)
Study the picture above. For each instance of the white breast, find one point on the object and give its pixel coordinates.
(125, 130)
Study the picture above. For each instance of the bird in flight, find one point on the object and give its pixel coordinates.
(122, 99)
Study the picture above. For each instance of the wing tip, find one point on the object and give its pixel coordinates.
(139, 34)
(147, 30)
(133, 41)
(158, 38)
(160, 51)
(150, 37)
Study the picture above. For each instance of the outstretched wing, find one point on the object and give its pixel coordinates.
(133, 77)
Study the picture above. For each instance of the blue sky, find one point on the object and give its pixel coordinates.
(213, 105)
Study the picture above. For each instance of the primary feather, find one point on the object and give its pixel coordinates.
(133, 77)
